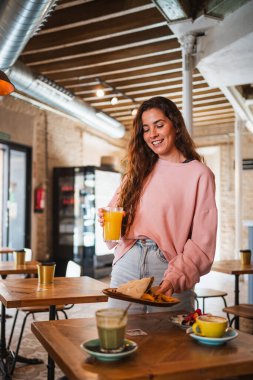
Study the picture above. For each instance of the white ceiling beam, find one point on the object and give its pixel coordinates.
(239, 105)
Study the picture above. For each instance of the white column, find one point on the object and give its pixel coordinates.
(187, 43)
(238, 186)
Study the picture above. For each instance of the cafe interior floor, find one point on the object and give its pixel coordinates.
(30, 347)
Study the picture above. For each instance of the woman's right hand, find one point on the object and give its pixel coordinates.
(101, 217)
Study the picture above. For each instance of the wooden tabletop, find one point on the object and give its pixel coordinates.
(26, 292)
(6, 250)
(166, 353)
(232, 267)
(9, 267)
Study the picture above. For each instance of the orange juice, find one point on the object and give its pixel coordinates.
(112, 223)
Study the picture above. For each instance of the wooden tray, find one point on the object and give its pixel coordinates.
(112, 292)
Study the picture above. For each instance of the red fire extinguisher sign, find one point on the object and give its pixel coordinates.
(39, 199)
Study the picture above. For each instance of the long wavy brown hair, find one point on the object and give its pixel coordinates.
(140, 159)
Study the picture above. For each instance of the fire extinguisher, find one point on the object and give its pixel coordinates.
(39, 199)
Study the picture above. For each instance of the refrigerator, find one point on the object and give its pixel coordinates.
(77, 194)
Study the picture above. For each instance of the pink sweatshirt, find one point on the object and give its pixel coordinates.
(177, 210)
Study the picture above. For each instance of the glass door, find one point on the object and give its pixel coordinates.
(15, 195)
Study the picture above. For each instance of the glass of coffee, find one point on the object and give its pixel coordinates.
(112, 223)
(111, 325)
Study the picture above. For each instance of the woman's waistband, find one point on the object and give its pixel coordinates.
(146, 242)
(141, 240)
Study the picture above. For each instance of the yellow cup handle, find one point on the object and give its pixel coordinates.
(196, 329)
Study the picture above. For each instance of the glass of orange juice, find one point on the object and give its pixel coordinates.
(112, 223)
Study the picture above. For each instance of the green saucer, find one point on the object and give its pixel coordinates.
(93, 348)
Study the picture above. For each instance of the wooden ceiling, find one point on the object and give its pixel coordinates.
(124, 46)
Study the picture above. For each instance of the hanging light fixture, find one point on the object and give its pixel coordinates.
(134, 112)
(100, 93)
(114, 101)
(6, 87)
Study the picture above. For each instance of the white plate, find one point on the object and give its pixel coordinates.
(178, 319)
(229, 335)
(93, 348)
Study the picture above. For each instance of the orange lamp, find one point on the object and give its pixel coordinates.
(6, 87)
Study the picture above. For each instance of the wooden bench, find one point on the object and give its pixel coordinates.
(242, 310)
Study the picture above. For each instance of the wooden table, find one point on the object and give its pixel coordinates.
(166, 353)
(15, 293)
(9, 267)
(235, 268)
(6, 250)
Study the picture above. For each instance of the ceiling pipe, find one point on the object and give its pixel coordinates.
(48, 92)
(19, 20)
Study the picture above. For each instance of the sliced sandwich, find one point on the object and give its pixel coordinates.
(136, 288)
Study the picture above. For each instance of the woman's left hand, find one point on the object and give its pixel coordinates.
(165, 287)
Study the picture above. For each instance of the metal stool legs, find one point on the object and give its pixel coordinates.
(12, 329)
(16, 357)
(19, 342)
(211, 296)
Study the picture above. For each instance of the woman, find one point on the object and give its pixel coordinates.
(168, 194)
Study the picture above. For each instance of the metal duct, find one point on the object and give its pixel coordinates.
(50, 93)
(19, 20)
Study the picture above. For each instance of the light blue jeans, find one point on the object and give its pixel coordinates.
(145, 259)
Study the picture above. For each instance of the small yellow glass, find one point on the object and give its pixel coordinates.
(245, 256)
(19, 257)
(46, 273)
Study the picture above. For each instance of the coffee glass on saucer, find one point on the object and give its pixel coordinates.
(111, 325)
(211, 326)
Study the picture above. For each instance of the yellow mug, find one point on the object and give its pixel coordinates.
(211, 326)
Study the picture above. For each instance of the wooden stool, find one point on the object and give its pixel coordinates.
(242, 310)
(210, 293)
